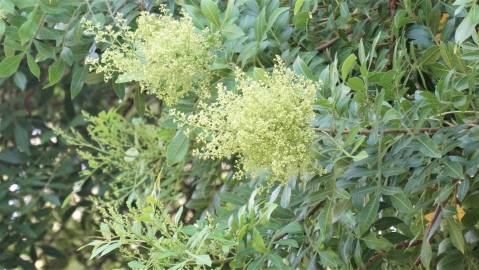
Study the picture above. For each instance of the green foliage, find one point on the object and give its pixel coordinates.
(149, 228)
(44, 214)
(153, 238)
(135, 156)
(378, 166)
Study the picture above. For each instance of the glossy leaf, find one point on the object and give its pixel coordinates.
(78, 80)
(177, 148)
(33, 66)
(347, 66)
(9, 65)
(455, 234)
(428, 147)
(211, 12)
(368, 214)
(55, 73)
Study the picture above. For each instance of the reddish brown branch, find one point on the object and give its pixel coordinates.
(330, 42)
(327, 44)
(403, 245)
(397, 130)
(437, 214)
(27, 101)
(392, 8)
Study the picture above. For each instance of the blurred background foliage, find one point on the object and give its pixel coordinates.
(396, 122)
(45, 85)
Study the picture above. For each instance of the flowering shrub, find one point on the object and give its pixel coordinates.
(376, 167)
(266, 123)
(168, 57)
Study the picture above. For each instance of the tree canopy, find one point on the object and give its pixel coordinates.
(239, 134)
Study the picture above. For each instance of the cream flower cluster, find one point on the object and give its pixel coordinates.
(168, 57)
(266, 124)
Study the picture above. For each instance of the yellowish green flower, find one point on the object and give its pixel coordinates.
(168, 57)
(266, 124)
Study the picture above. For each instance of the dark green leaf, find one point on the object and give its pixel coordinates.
(78, 80)
(428, 147)
(260, 26)
(211, 12)
(302, 68)
(297, 6)
(426, 254)
(11, 156)
(177, 148)
(288, 242)
(453, 169)
(55, 73)
(462, 189)
(291, 228)
(2, 28)
(301, 20)
(119, 89)
(139, 102)
(455, 234)
(375, 243)
(368, 214)
(22, 139)
(328, 258)
(202, 259)
(33, 66)
(347, 66)
(20, 80)
(451, 261)
(9, 65)
(402, 203)
(232, 31)
(467, 27)
(27, 31)
(136, 265)
(274, 16)
(257, 241)
(109, 248)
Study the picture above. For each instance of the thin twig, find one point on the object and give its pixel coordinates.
(437, 214)
(392, 8)
(397, 130)
(458, 112)
(327, 44)
(403, 245)
(330, 42)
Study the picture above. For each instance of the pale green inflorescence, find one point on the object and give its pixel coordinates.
(131, 152)
(168, 57)
(267, 124)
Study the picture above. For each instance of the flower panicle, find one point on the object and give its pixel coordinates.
(266, 123)
(167, 57)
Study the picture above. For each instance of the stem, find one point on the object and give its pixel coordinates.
(437, 213)
(399, 246)
(397, 130)
(327, 44)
